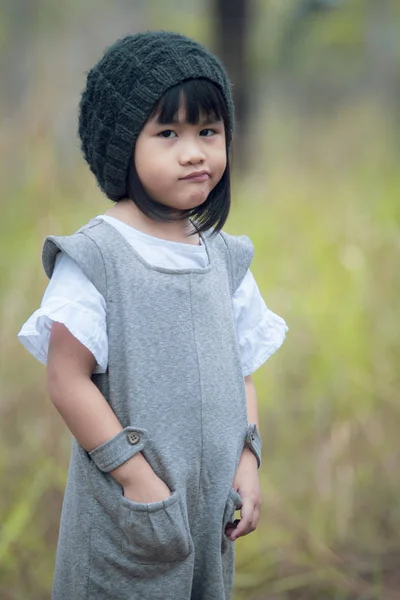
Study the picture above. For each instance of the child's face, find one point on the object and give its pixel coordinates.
(166, 154)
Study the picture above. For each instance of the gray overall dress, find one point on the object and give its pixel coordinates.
(175, 382)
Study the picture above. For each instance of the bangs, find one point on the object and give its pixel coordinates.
(201, 99)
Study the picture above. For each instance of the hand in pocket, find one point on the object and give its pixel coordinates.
(151, 489)
(139, 481)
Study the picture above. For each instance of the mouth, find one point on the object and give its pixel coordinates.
(197, 176)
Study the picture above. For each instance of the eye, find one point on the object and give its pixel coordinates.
(167, 134)
(208, 132)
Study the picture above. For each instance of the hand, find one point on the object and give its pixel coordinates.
(139, 481)
(246, 483)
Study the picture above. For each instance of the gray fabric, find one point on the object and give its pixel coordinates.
(119, 449)
(254, 442)
(175, 378)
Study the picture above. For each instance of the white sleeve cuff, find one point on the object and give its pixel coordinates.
(82, 324)
(261, 342)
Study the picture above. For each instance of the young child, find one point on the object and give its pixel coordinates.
(151, 326)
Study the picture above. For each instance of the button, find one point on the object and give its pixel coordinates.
(133, 438)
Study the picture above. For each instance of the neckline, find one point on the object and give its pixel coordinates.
(195, 248)
(147, 265)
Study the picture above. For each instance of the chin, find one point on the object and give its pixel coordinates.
(187, 204)
(191, 205)
(197, 200)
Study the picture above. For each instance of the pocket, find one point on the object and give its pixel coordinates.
(156, 532)
(236, 499)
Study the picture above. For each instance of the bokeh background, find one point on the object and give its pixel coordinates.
(317, 187)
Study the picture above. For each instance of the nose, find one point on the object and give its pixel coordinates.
(192, 153)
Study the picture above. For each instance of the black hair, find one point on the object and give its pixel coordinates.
(202, 99)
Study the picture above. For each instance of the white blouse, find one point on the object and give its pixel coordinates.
(71, 299)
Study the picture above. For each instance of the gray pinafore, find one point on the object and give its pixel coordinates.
(175, 383)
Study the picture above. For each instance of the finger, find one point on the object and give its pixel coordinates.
(245, 525)
(230, 528)
(256, 518)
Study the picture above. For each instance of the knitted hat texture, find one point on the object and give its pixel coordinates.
(122, 90)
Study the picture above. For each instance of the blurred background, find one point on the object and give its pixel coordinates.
(317, 187)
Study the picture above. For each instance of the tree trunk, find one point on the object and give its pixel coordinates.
(231, 20)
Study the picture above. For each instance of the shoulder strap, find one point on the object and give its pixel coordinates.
(83, 249)
(240, 252)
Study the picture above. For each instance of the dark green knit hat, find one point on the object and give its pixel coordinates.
(122, 91)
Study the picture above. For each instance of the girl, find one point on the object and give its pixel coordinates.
(151, 327)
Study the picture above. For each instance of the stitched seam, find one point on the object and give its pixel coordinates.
(201, 395)
(91, 513)
(102, 258)
(90, 538)
(229, 261)
(110, 465)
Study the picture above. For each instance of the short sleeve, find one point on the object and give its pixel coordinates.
(71, 299)
(260, 332)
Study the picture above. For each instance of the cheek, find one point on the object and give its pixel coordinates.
(141, 156)
(149, 164)
(224, 161)
(220, 162)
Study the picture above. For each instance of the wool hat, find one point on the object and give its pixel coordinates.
(122, 90)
